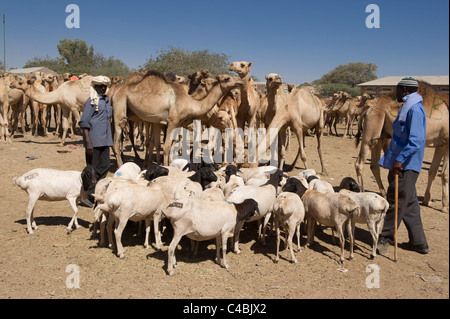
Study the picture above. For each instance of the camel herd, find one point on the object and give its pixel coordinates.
(155, 105)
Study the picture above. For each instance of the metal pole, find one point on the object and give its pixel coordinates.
(4, 47)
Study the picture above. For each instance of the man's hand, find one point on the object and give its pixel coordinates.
(397, 168)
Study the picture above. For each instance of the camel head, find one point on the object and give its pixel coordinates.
(204, 87)
(228, 82)
(273, 82)
(49, 78)
(22, 85)
(196, 78)
(241, 68)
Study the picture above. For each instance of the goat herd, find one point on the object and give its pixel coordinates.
(203, 202)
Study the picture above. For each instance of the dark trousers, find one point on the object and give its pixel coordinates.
(100, 162)
(408, 208)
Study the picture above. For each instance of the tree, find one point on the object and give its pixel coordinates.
(76, 58)
(184, 62)
(76, 55)
(328, 89)
(351, 74)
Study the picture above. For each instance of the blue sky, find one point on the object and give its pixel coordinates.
(299, 40)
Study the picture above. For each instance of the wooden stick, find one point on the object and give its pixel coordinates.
(396, 217)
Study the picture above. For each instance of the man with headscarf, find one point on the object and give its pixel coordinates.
(95, 124)
(404, 157)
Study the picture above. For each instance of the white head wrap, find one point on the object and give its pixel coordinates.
(98, 80)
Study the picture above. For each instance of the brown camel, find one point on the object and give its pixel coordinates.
(303, 111)
(71, 95)
(336, 109)
(375, 125)
(156, 100)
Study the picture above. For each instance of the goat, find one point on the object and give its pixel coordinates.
(296, 185)
(54, 185)
(289, 212)
(136, 203)
(372, 209)
(128, 170)
(321, 186)
(155, 171)
(350, 184)
(203, 220)
(265, 196)
(329, 209)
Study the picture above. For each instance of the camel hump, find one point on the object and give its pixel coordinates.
(156, 73)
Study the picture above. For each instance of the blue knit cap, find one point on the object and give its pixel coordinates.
(408, 81)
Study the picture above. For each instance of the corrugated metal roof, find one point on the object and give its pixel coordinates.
(31, 70)
(393, 80)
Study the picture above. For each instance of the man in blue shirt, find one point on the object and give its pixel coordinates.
(404, 157)
(95, 123)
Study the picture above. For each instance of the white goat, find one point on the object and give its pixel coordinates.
(265, 196)
(234, 182)
(136, 203)
(372, 210)
(204, 220)
(321, 186)
(289, 213)
(128, 170)
(329, 209)
(54, 185)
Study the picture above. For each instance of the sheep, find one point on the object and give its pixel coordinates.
(212, 194)
(128, 170)
(248, 173)
(203, 220)
(350, 184)
(234, 181)
(329, 209)
(101, 211)
(289, 213)
(321, 186)
(54, 185)
(307, 172)
(265, 196)
(194, 184)
(179, 163)
(136, 203)
(155, 171)
(372, 210)
(296, 185)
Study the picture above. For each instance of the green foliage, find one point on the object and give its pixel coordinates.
(328, 89)
(183, 62)
(351, 74)
(77, 58)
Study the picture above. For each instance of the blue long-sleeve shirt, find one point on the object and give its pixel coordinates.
(98, 122)
(408, 140)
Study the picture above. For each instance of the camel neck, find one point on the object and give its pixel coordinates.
(46, 98)
(200, 107)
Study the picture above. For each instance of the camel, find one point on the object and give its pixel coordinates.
(52, 84)
(17, 104)
(4, 108)
(303, 111)
(37, 107)
(375, 131)
(71, 95)
(157, 100)
(336, 109)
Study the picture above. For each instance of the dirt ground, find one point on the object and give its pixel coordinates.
(39, 266)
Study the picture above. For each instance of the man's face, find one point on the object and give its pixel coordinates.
(400, 93)
(101, 89)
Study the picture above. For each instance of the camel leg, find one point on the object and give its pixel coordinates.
(439, 153)
(319, 149)
(65, 125)
(375, 167)
(359, 164)
(44, 118)
(119, 126)
(35, 126)
(168, 143)
(444, 178)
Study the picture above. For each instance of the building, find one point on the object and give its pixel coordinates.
(388, 84)
(31, 70)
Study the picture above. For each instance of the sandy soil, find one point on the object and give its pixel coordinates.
(38, 266)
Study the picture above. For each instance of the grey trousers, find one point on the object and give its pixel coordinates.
(408, 208)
